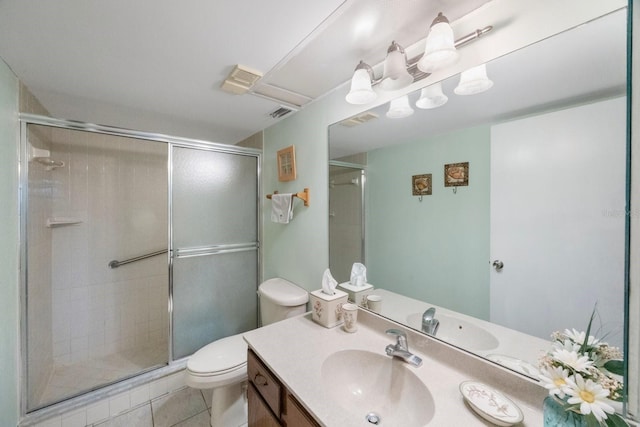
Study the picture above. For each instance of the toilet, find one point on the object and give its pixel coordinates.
(222, 365)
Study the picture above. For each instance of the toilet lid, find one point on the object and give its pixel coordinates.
(220, 355)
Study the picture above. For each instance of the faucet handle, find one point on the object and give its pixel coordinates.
(402, 338)
(429, 314)
(397, 332)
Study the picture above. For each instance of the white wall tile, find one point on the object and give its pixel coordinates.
(98, 412)
(119, 404)
(52, 422)
(158, 388)
(140, 395)
(175, 381)
(75, 419)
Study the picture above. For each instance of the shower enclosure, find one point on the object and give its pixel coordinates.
(137, 249)
(346, 218)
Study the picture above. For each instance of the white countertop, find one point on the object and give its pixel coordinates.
(295, 349)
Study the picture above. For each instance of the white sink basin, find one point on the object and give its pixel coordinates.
(458, 332)
(363, 382)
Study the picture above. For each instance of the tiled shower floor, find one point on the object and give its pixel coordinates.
(70, 380)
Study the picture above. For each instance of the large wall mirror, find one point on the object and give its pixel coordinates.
(537, 237)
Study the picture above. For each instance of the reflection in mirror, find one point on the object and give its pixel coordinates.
(346, 216)
(546, 147)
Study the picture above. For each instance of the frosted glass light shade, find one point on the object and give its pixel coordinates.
(440, 50)
(474, 80)
(361, 92)
(399, 108)
(395, 74)
(431, 97)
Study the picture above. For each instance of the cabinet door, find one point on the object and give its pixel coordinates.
(295, 415)
(259, 414)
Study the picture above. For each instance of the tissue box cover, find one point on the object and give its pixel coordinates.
(327, 309)
(356, 294)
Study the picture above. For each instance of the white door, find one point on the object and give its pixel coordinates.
(558, 220)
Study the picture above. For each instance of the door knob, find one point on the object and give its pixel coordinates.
(498, 265)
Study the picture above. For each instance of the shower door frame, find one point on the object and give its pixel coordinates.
(151, 374)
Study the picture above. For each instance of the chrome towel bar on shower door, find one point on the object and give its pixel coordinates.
(116, 264)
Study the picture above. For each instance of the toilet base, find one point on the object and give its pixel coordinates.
(229, 405)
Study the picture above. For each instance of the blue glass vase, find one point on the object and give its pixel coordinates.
(555, 415)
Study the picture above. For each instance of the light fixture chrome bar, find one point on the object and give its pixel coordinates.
(413, 62)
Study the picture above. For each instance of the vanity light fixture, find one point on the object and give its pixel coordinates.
(399, 108)
(400, 72)
(440, 50)
(361, 91)
(432, 97)
(395, 74)
(473, 81)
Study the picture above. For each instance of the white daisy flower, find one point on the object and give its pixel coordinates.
(590, 396)
(578, 337)
(566, 344)
(555, 379)
(572, 359)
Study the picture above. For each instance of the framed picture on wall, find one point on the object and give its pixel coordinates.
(287, 164)
(456, 174)
(421, 185)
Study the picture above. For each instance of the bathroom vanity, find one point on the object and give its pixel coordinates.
(271, 404)
(302, 374)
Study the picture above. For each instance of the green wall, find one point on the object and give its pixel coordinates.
(436, 250)
(9, 247)
(298, 251)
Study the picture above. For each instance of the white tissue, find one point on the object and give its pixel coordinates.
(328, 283)
(358, 274)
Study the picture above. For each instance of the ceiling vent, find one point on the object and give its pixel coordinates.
(359, 119)
(240, 80)
(280, 112)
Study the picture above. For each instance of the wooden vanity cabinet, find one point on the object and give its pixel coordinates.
(270, 403)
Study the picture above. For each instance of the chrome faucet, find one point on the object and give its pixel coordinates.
(401, 348)
(429, 323)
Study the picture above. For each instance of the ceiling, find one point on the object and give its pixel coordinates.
(139, 63)
(580, 65)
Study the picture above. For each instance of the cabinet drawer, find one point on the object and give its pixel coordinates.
(265, 383)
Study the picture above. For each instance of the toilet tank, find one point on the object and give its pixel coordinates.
(280, 299)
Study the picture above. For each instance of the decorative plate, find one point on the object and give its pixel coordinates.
(515, 364)
(490, 404)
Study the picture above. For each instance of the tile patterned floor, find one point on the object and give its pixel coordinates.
(186, 407)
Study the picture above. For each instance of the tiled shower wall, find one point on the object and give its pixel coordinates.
(117, 188)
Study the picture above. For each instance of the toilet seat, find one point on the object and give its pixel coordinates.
(222, 362)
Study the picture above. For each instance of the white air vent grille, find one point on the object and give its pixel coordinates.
(280, 112)
(359, 119)
(240, 80)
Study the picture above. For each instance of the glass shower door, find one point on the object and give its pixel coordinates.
(92, 199)
(214, 210)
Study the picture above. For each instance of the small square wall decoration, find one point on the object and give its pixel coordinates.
(456, 174)
(287, 164)
(421, 185)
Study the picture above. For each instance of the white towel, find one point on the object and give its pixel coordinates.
(282, 208)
